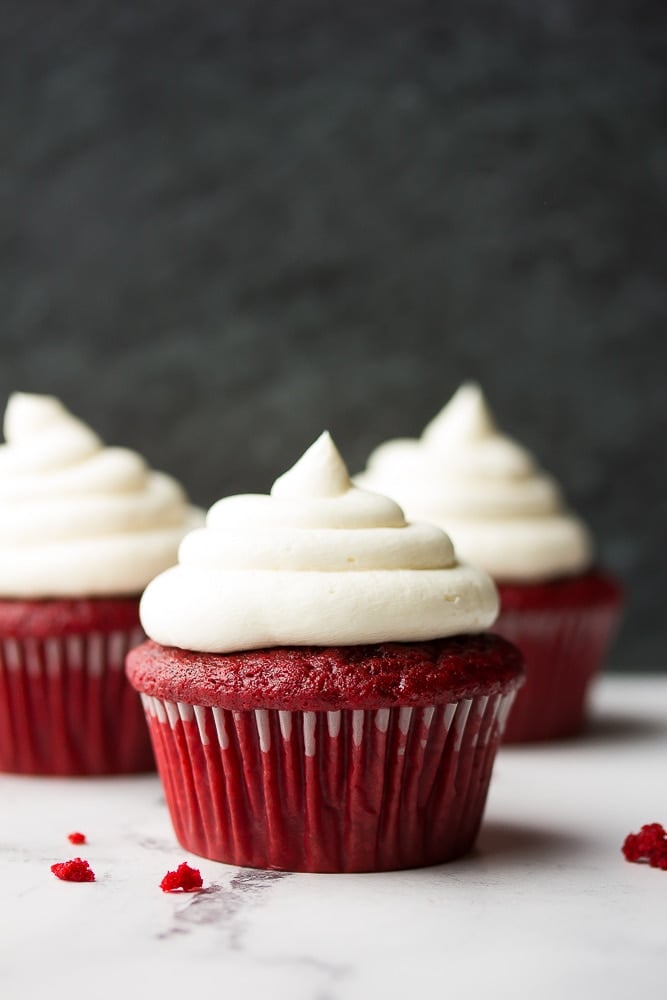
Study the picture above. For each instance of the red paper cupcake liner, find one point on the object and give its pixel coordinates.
(66, 707)
(564, 649)
(340, 791)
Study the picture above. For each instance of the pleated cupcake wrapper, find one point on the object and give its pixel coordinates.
(66, 707)
(563, 649)
(332, 791)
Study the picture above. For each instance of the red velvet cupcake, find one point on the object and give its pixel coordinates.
(312, 703)
(84, 528)
(505, 514)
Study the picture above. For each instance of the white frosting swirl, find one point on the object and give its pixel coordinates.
(318, 562)
(78, 519)
(486, 491)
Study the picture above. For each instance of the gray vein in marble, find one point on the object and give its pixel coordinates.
(225, 906)
(157, 844)
(333, 972)
(229, 908)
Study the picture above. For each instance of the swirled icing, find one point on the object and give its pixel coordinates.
(316, 562)
(502, 511)
(78, 519)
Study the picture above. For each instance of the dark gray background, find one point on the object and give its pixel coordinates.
(227, 225)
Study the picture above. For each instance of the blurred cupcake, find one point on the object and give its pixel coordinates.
(318, 693)
(83, 528)
(508, 516)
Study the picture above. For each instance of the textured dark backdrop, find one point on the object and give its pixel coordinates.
(227, 225)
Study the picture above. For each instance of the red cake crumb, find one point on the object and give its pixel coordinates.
(76, 838)
(648, 846)
(76, 870)
(184, 879)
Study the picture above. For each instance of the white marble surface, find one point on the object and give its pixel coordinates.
(545, 908)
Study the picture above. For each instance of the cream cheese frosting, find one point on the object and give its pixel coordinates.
(502, 511)
(316, 562)
(78, 519)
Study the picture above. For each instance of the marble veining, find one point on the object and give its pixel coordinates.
(227, 907)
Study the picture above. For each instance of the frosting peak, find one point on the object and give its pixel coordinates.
(78, 519)
(503, 512)
(316, 562)
(27, 412)
(466, 417)
(41, 435)
(320, 472)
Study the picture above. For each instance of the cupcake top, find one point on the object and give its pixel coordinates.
(503, 512)
(78, 519)
(318, 562)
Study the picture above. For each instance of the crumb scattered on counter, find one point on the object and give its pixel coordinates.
(76, 870)
(649, 846)
(184, 879)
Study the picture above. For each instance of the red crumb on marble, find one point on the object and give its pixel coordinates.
(76, 870)
(649, 846)
(184, 879)
(76, 838)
